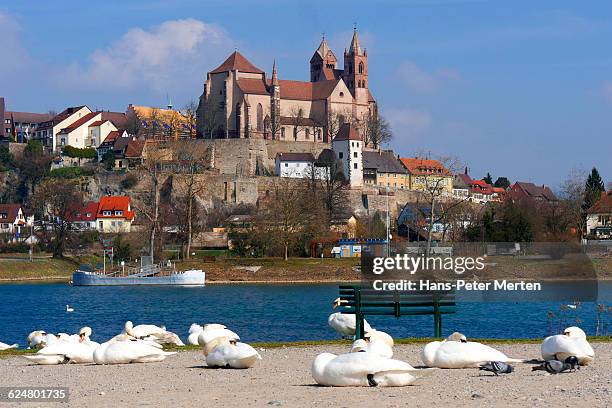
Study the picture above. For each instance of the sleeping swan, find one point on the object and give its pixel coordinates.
(363, 370)
(129, 351)
(572, 342)
(456, 352)
(4, 346)
(233, 354)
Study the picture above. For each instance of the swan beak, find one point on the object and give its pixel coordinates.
(463, 341)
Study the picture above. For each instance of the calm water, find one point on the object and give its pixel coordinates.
(256, 312)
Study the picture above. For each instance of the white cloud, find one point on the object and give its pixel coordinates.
(407, 122)
(160, 58)
(421, 81)
(606, 90)
(16, 56)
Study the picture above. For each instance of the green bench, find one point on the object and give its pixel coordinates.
(361, 302)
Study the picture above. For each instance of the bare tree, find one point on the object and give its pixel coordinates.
(335, 119)
(190, 112)
(211, 121)
(57, 201)
(328, 185)
(298, 120)
(194, 158)
(572, 193)
(376, 130)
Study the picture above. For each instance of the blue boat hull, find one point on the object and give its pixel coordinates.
(188, 278)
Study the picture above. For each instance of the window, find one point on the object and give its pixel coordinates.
(238, 118)
(106, 213)
(341, 94)
(319, 134)
(361, 67)
(340, 155)
(282, 133)
(119, 213)
(355, 154)
(307, 133)
(259, 117)
(101, 224)
(286, 164)
(355, 165)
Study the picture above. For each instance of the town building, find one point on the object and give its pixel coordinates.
(383, 169)
(13, 220)
(114, 214)
(524, 190)
(83, 218)
(47, 132)
(91, 129)
(294, 165)
(20, 127)
(348, 146)
(161, 124)
(240, 101)
(461, 186)
(428, 174)
(599, 217)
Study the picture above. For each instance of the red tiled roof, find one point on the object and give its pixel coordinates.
(97, 123)
(347, 132)
(112, 136)
(301, 157)
(66, 113)
(115, 203)
(117, 118)
(288, 120)
(11, 211)
(603, 205)
(481, 186)
(134, 148)
(237, 61)
(533, 191)
(295, 90)
(499, 190)
(28, 117)
(80, 122)
(87, 213)
(424, 166)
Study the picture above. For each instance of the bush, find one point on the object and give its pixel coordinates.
(70, 172)
(108, 159)
(87, 153)
(14, 248)
(129, 181)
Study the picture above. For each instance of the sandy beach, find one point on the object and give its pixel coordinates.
(283, 378)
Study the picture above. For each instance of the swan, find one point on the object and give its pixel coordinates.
(378, 347)
(210, 338)
(4, 346)
(233, 354)
(345, 324)
(130, 351)
(378, 335)
(159, 334)
(363, 370)
(194, 332)
(456, 352)
(572, 342)
(69, 309)
(63, 352)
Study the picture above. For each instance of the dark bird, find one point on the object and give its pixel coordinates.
(497, 367)
(556, 367)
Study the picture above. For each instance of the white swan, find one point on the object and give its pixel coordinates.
(572, 342)
(63, 352)
(456, 352)
(159, 334)
(377, 347)
(212, 336)
(126, 352)
(345, 324)
(194, 331)
(4, 346)
(69, 309)
(229, 353)
(363, 370)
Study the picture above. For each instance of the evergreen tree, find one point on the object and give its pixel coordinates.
(592, 190)
(502, 182)
(488, 179)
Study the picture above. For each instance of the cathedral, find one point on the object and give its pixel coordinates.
(240, 101)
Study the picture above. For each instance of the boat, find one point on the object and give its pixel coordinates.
(85, 275)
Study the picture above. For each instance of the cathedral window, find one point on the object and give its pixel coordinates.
(259, 117)
(361, 67)
(340, 155)
(341, 94)
(282, 133)
(307, 133)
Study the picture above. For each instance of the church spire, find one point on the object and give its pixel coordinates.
(355, 47)
(323, 48)
(274, 75)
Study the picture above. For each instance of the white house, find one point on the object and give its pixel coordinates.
(296, 165)
(91, 129)
(599, 217)
(13, 221)
(347, 145)
(64, 120)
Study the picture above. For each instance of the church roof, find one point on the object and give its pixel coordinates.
(296, 90)
(347, 132)
(322, 51)
(237, 61)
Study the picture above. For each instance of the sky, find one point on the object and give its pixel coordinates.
(521, 89)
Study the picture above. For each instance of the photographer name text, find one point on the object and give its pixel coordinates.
(459, 285)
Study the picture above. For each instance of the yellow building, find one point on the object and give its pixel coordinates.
(426, 174)
(157, 123)
(383, 169)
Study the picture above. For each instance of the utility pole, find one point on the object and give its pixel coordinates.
(388, 226)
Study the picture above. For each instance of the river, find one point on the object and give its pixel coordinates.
(258, 312)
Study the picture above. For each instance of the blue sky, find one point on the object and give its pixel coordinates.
(521, 89)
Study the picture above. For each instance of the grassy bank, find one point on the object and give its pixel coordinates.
(40, 269)
(310, 343)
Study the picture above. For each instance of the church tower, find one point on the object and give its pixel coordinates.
(356, 69)
(323, 63)
(275, 104)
